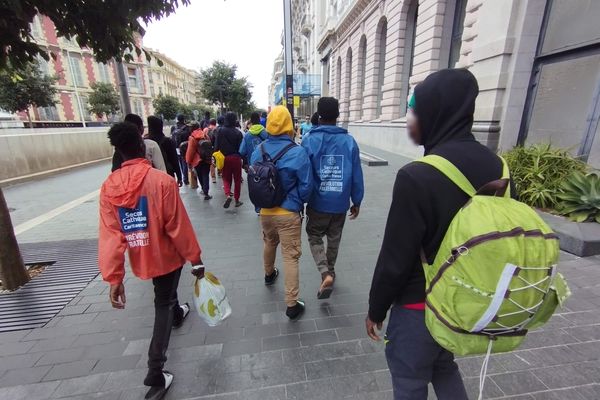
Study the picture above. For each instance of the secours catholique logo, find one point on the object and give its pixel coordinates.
(134, 223)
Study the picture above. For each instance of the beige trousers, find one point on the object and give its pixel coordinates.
(287, 230)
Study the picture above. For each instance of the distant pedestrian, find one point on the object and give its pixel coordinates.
(283, 224)
(228, 142)
(153, 153)
(338, 181)
(142, 214)
(263, 119)
(210, 130)
(305, 127)
(167, 147)
(206, 121)
(256, 135)
(199, 157)
(180, 133)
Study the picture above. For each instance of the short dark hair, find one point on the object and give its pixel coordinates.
(255, 118)
(230, 119)
(194, 125)
(181, 118)
(328, 108)
(314, 120)
(134, 119)
(212, 121)
(206, 114)
(126, 139)
(264, 114)
(221, 119)
(155, 125)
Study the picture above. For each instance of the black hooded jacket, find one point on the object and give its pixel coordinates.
(167, 147)
(425, 201)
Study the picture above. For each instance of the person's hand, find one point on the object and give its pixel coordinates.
(354, 211)
(198, 271)
(372, 328)
(117, 296)
(180, 183)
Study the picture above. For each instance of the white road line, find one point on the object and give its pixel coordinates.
(32, 223)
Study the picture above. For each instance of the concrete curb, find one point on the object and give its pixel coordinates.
(581, 239)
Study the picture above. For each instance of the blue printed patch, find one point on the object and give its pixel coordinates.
(134, 219)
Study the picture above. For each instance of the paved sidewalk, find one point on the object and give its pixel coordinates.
(90, 351)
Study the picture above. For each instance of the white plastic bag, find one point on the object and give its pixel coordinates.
(211, 300)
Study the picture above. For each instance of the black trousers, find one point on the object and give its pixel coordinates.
(166, 312)
(203, 172)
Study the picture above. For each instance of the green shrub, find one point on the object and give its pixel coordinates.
(580, 197)
(539, 171)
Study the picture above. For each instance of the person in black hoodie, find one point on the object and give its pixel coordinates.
(167, 147)
(228, 142)
(423, 205)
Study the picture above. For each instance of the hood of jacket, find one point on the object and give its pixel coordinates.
(332, 129)
(444, 104)
(256, 129)
(122, 188)
(198, 134)
(280, 122)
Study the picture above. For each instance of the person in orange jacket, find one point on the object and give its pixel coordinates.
(199, 156)
(141, 213)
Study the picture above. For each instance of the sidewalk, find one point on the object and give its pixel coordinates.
(90, 351)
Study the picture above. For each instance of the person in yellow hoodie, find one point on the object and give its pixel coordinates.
(283, 224)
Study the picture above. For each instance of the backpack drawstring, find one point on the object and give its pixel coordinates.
(484, 367)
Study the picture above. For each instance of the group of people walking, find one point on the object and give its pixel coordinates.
(141, 212)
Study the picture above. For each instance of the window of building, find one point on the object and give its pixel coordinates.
(36, 28)
(380, 62)
(138, 107)
(104, 70)
(85, 103)
(348, 86)
(338, 76)
(362, 66)
(48, 113)
(75, 66)
(132, 77)
(409, 49)
(43, 65)
(458, 26)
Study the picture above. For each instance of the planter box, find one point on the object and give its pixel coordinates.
(579, 238)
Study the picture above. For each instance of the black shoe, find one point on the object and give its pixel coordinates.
(228, 202)
(158, 392)
(239, 203)
(207, 197)
(186, 310)
(270, 279)
(294, 313)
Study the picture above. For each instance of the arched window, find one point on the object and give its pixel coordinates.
(409, 48)
(381, 41)
(338, 77)
(362, 65)
(348, 85)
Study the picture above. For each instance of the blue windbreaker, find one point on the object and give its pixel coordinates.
(251, 141)
(294, 170)
(337, 170)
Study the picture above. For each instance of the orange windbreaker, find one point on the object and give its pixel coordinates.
(141, 212)
(192, 157)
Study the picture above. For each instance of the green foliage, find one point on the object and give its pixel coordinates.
(109, 27)
(167, 106)
(580, 197)
(220, 85)
(539, 171)
(104, 100)
(23, 87)
(186, 110)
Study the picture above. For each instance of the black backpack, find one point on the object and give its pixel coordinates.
(264, 184)
(205, 149)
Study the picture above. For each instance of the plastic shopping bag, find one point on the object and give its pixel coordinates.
(219, 160)
(211, 300)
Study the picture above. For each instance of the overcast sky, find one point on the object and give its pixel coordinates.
(242, 32)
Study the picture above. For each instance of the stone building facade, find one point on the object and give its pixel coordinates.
(536, 62)
(171, 79)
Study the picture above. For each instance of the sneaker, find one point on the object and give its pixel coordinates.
(327, 279)
(294, 313)
(186, 310)
(207, 197)
(270, 279)
(239, 203)
(158, 392)
(228, 202)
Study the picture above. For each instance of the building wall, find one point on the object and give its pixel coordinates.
(171, 79)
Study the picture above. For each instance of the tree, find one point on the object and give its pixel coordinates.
(23, 87)
(109, 27)
(167, 106)
(104, 100)
(220, 85)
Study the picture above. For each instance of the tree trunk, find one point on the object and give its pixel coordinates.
(12, 270)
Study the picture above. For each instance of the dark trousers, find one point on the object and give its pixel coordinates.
(415, 359)
(203, 172)
(232, 174)
(184, 169)
(319, 225)
(166, 313)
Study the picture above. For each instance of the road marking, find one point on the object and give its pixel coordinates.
(32, 223)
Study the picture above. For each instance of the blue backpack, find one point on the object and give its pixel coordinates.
(264, 185)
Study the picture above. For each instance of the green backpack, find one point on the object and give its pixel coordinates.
(495, 274)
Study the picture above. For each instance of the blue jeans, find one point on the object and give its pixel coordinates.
(184, 169)
(415, 359)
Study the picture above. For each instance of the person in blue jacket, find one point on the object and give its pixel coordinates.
(338, 179)
(255, 136)
(283, 224)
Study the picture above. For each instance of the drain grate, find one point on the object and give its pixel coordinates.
(34, 304)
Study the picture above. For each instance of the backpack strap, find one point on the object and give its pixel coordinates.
(506, 175)
(451, 172)
(283, 152)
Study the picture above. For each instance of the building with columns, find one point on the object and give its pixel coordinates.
(536, 61)
(171, 79)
